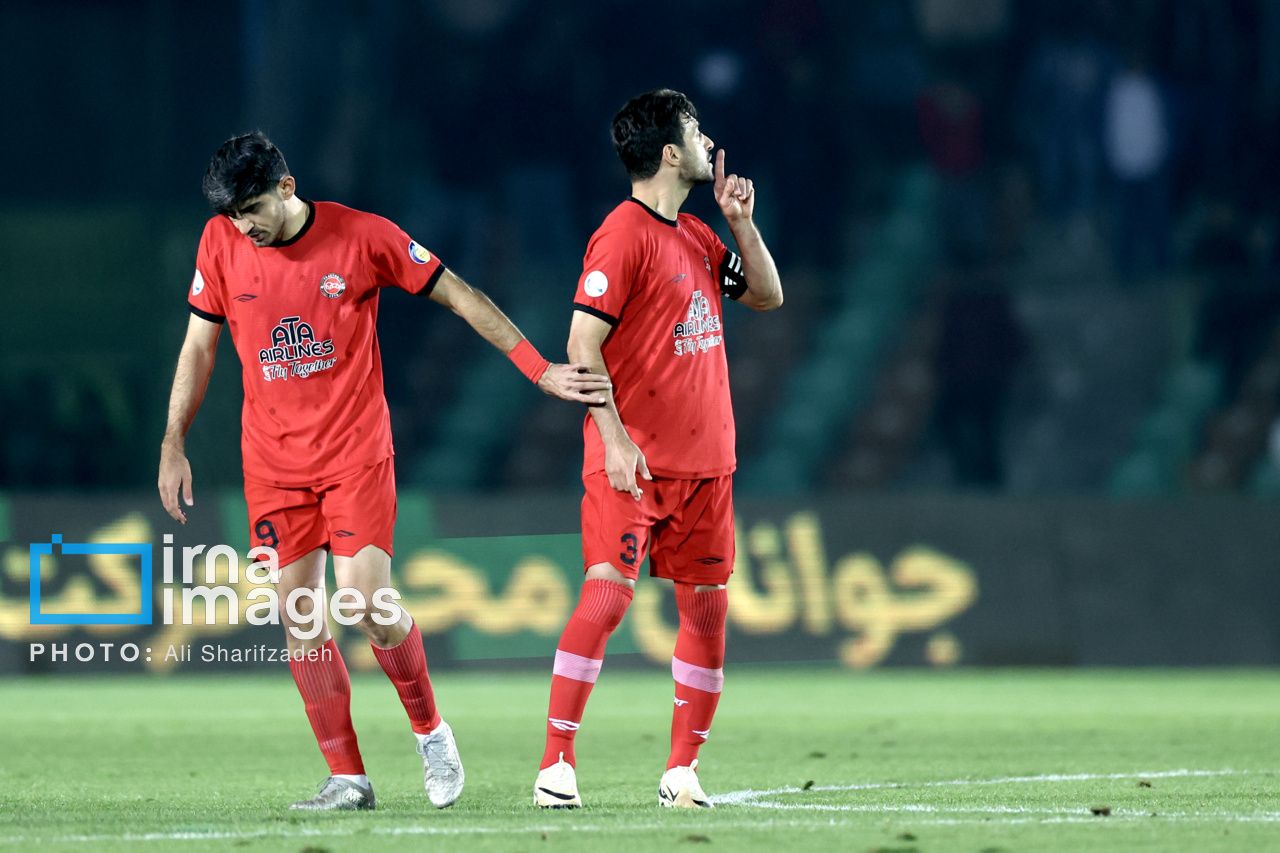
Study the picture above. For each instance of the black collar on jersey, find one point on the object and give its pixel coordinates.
(655, 214)
(306, 226)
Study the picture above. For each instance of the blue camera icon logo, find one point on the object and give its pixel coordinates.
(140, 549)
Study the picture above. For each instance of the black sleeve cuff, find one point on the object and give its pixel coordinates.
(595, 312)
(205, 315)
(432, 282)
(733, 281)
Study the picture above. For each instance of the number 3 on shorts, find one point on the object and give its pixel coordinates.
(631, 544)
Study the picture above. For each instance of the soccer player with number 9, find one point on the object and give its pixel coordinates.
(298, 284)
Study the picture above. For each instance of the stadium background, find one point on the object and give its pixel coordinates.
(1020, 407)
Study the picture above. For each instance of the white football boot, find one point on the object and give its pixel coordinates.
(338, 794)
(680, 789)
(442, 773)
(557, 787)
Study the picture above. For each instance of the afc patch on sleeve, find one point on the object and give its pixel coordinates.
(418, 254)
(197, 283)
(595, 284)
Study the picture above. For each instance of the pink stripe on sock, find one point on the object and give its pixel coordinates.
(576, 667)
(697, 677)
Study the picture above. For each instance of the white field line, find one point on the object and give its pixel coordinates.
(751, 796)
(337, 831)
(1042, 814)
(991, 815)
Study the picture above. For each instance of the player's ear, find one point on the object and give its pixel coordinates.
(287, 186)
(671, 154)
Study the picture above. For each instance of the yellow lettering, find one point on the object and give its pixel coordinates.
(536, 598)
(774, 610)
(936, 588)
(810, 560)
(656, 639)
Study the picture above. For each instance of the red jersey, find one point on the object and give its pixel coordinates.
(303, 316)
(660, 285)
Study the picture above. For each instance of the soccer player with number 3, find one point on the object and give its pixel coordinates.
(659, 452)
(298, 282)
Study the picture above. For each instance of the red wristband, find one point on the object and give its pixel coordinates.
(528, 360)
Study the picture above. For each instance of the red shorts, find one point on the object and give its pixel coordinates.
(685, 527)
(343, 516)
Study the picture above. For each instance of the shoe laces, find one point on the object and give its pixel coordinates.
(435, 749)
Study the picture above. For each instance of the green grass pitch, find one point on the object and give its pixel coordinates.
(803, 759)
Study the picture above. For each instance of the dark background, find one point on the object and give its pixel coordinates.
(1027, 248)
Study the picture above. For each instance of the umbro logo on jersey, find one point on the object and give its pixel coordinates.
(678, 278)
(706, 262)
(246, 297)
(333, 285)
(343, 533)
(711, 561)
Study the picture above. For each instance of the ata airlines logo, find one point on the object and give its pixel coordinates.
(700, 329)
(294, 351)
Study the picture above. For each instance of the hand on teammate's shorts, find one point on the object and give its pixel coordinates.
(623, 461)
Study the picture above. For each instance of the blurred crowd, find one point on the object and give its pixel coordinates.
(1139, 132)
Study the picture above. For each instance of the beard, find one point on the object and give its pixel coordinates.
(702, 175)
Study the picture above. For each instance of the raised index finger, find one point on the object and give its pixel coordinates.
(720, 167)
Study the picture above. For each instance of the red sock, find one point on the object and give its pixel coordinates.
(698, 669)
(579, 656)
(326, 694)
(406, 666)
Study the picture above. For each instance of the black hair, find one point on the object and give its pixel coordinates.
(645, 125)
(244, 166)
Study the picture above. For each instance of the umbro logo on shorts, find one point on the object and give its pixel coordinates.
(343, 533)
(711, 561)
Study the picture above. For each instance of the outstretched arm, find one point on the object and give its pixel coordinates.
(190, 380)
(623, 461)
(566, 381)
(736, 196)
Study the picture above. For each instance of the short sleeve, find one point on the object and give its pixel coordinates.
(608, 274)
(400, 261)
(726, 262)
(207, 295)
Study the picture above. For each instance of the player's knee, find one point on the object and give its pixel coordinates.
(703, 609)
(381, 627)
(303, 616)
(307, 635)
(605, 600)
(607, 572)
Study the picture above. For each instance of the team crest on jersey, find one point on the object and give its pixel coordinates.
(333, 285)
(418, 254)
